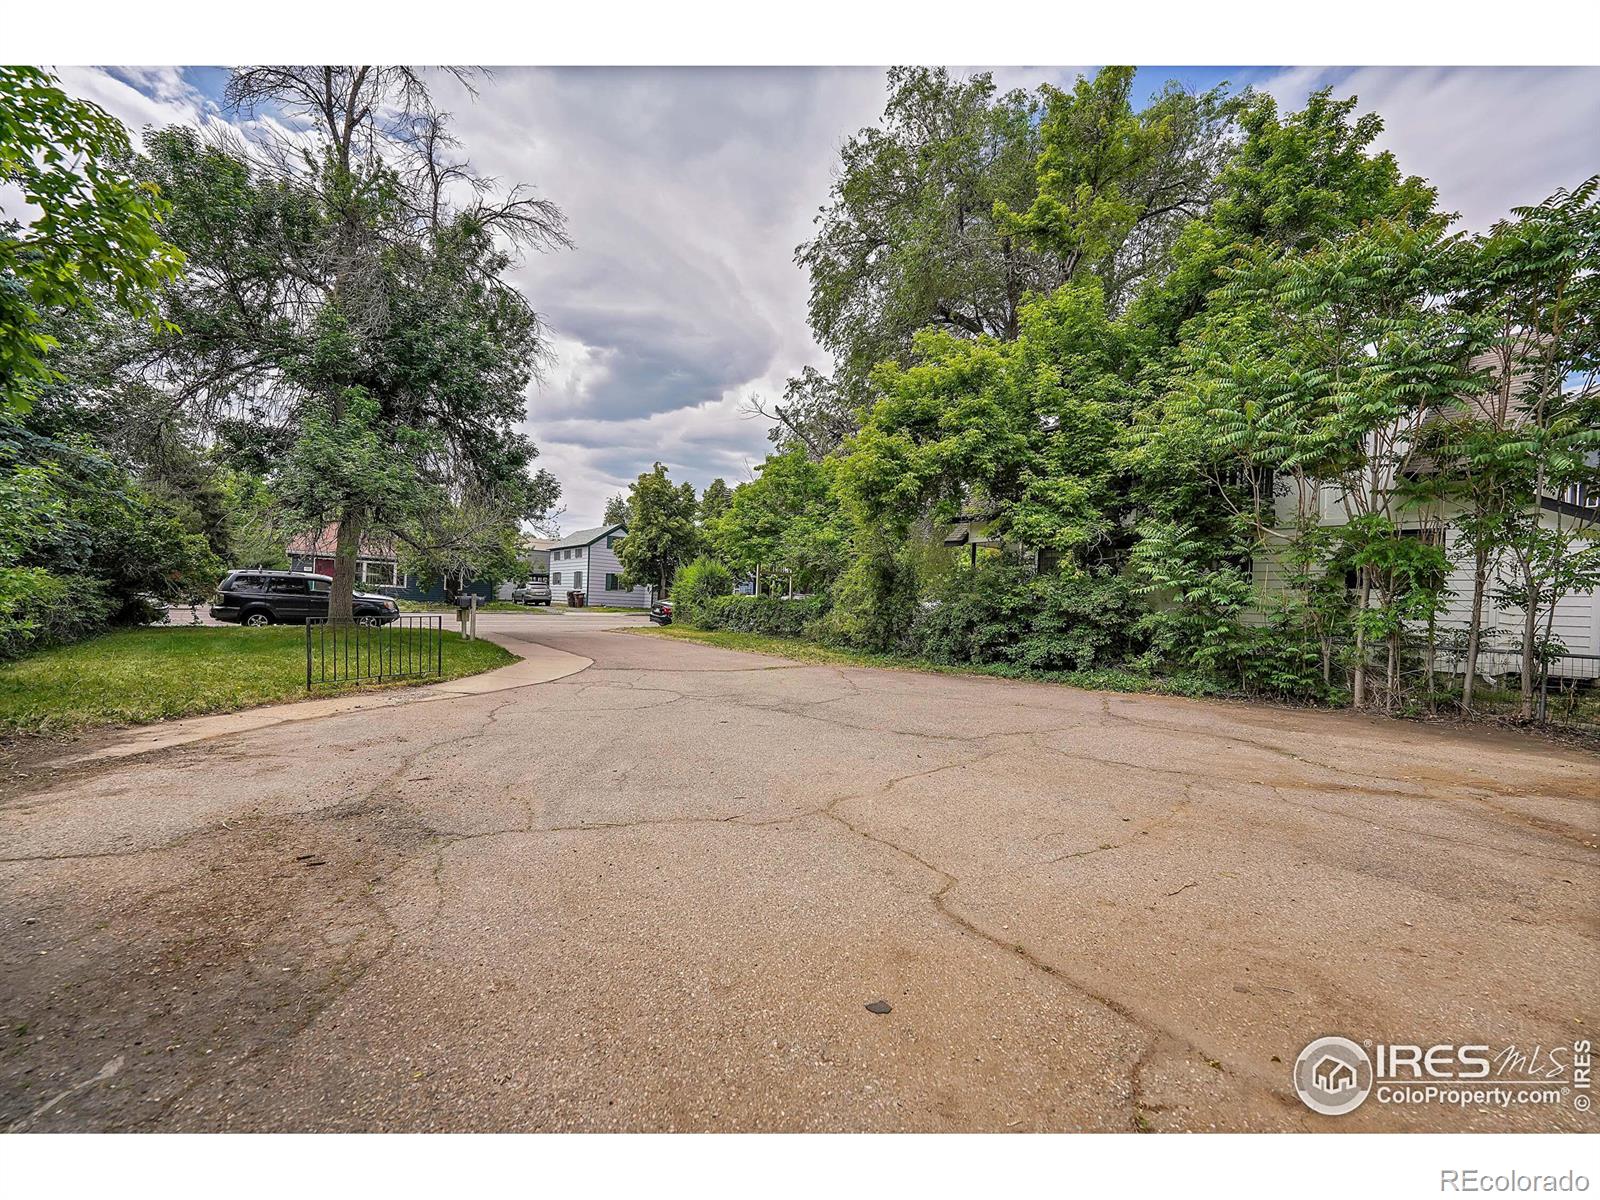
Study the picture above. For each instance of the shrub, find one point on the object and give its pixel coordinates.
(771, 615)
(696, 585)
(874, 601)
(999, 613)
(40, 609)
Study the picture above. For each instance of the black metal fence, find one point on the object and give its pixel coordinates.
(344, 651)
(1430, 675)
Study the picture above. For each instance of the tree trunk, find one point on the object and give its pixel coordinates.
(340, 605)
(1358, 697)
(1544, 667)
(1530, 629)
(1480, 580)
(1433, 642)
(1392, 675)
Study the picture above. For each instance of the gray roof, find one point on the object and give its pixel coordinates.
(584, 537)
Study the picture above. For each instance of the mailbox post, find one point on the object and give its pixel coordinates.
(467, 611)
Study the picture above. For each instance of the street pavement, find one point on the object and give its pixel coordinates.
(660, 893)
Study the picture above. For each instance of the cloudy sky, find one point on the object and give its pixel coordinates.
(687, 189)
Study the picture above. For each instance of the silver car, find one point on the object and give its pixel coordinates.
(535, 592)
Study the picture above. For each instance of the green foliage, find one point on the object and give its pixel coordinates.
(344, 459)
(908, 237)
(786, 523)
(95, 239)
(874, 600)
(661, 530)
(774, 616)
(1001, 613)
(697, 585)
(1022, 432)
(1105, 170)
(38, 608)
(714, 502)
(83, 544)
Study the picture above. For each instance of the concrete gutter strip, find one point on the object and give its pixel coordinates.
(539, 664)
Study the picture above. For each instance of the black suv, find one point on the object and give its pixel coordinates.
(289, 598)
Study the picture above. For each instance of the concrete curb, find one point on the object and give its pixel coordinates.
(539, 664)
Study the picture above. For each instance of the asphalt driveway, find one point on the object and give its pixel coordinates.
(658, 894)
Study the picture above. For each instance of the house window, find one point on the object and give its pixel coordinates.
(577, 581)
(612, 585)
(611, 540)
(376, 571)
(556, 579)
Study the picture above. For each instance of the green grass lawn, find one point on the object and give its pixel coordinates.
(142, 675)
(1103, 679)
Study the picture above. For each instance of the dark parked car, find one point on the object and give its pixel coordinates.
(289, 598)
(661, 612)
(531, 593)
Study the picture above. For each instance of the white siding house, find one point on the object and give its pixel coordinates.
(1577, 615)
(586, 561)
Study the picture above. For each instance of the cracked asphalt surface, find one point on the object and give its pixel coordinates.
(658, 895)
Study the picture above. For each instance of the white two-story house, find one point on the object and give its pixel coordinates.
(586, 561)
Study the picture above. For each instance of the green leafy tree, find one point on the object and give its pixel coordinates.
(714, 501)
(95, 239)
(84, 545)
(908, 237)
(785, 526)
(358, 260)
(661, 531)
(616, 511)
(1106, 172)
(1292, 181)
(1542, 277)
(697, 585)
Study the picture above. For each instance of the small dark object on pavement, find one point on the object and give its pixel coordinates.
(880, 1007)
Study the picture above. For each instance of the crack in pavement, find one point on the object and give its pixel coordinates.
(1160, 1036)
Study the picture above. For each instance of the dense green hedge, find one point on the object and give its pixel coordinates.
(1002, 614)
(771, 615)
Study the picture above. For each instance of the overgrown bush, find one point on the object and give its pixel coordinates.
(39, 609)
(874, 601)
(1001, 613)
(696, 585)
(83, 545)
(771, 615)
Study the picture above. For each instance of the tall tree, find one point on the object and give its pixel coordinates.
(616, 511)
(661, 530)
(349, 287)
(714, 501)
(786, 523)
(1543, 273)
(908, 237)
(1106, 172)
